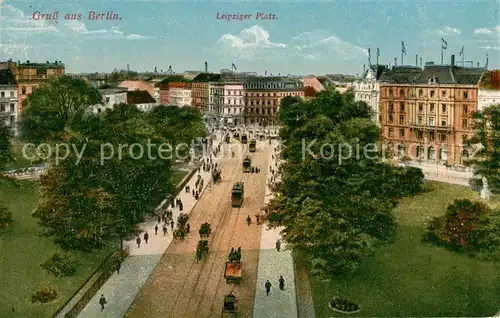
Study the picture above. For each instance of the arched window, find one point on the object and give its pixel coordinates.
(431, 153)
(421, 93)
(420, 152)
(402, 92)
(401, 150)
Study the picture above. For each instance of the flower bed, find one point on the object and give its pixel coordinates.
(344, 306)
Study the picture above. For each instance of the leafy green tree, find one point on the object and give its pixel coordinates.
(487, 140)
(6, 153)
(94, 199)
(5, 216)
(53, 112)
(335, 198)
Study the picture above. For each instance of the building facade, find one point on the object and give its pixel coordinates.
(263, 96)
(426, 114)
(29, 76)
(200, 92)
(180, 94)
(9, 111)
(368, 91)
(110, 98)
(489, 90)
(234, 104)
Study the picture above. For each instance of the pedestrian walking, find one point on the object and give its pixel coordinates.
(282, 283)
(278, 245)
(159, 219)
(164, 230)
(181, 206)
(257, 217)
(249, 220)
(268, 287)
(138, 241)
(102, 302)
(188, 227)
(156, 229)
(146, 237)
(172, 225)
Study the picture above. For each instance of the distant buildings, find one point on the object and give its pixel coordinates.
(427, 113)
(142, 99)
(312, 86)
(110, 98)
(368, 89)
(179, 94)
(200, 93)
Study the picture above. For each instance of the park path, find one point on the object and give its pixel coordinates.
(120, 290)
(272, 264)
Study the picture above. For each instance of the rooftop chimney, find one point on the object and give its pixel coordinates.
(416, 59)
(477, 64)
(420, 62)
(452, 60)
(395, 61)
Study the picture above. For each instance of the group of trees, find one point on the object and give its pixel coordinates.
(467, 226)
(104, 187)
(336, 196)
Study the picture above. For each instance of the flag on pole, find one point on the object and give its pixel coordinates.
(234, 66)
(444, 44)
(403, 48)
(378, 52)
(369, 54)
(462, 51)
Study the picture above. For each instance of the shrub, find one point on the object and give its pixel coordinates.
(5, 216)
(60, 264)
(343, 304)
(44, 295)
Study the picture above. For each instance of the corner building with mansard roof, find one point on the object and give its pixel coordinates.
(426, 114)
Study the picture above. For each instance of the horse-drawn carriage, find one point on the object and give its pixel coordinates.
(200, 249)
(205, 230)
(216, 175)
(237, 194)
(230, 307)
(247, 164)
(232, 273)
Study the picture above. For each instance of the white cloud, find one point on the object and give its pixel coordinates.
(448, 30)
(495, 30)
(115, 32)
(496, 48)
(482, 31)
(15, 21)
(255, 43)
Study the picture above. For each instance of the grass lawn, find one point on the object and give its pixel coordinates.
(22, 250)
(177, 176)
(407, 278)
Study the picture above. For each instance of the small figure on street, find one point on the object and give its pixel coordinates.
(282, 282)
(188, 227)
(232, 153)
(172, 225)
(278, 245)
(118, 266)
(249, 220)
(146, 237)
(165, 230)
(181, 206)
(138, 241)
(268, 287)
(257, 217)
(159, 219)
(102, 302)
(156, 229)
(192, 192)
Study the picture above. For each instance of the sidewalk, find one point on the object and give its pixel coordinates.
(120, 290)
(272, 264)
(441, 174)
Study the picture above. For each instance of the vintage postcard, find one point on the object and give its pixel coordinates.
(252, 159)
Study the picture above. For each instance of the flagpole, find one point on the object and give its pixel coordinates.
(441, 53)
(463, 56)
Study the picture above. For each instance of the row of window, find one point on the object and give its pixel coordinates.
(12, 94)
(432, 108)
(272, 85)
(419, 134)
(420, 121)
(3, 107)
(235, 110)
(262, 111)
(432, 93)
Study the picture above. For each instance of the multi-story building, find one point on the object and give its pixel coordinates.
(179, 94)
(312, 86)
(110, 98)
(200, 91)
(8, 106)
(29, 76)
(426, 114)
(489, 90)
(142, 99)
(234, 104)
(263, 96)
(368, 89)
